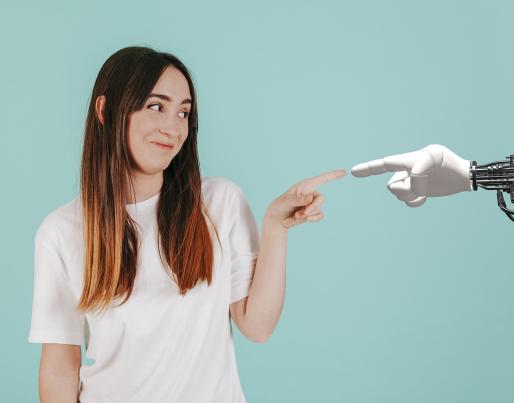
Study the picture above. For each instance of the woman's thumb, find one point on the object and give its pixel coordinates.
(305, 198)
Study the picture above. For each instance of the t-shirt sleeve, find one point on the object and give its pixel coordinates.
(244, 246)
(54, 317)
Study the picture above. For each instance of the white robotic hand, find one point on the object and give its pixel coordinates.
(432, 171)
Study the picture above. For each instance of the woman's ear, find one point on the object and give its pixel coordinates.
(99, 108)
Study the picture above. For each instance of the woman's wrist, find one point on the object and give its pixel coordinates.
(273, 223)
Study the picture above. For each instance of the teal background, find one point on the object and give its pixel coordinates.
(384, 303)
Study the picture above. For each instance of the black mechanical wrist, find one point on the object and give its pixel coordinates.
(497, 175)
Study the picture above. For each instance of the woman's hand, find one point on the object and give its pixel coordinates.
(301, 202)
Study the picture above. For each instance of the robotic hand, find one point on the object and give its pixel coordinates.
(432, 171)
(437, 171)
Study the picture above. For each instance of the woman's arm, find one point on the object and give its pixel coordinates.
(59, 373)
(257, 315)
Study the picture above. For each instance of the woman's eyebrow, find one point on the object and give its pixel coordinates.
(167, 98)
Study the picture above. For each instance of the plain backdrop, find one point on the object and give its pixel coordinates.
(384, 303)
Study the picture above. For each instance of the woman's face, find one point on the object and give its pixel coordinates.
(157, 132)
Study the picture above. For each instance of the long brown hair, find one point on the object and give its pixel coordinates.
(110, 235)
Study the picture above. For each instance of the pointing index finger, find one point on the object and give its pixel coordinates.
(393, 163)
(312, 183)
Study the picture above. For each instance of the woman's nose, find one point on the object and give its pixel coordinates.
(171, 126)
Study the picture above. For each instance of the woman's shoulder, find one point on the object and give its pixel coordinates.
(219, 193)
(60, 223)
(219, 185)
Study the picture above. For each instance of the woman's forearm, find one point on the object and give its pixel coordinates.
(58, 388)
(266, 296)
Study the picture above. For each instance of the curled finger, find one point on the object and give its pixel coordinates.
(315, 217)
(315, 204)
(416, 202)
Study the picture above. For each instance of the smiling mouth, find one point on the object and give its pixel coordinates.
(163, 146)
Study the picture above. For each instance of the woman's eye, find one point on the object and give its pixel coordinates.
(184, 114)
(155, 107)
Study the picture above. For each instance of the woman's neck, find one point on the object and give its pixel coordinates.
(145, 186)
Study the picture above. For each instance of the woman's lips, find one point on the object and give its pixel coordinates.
(163, 146)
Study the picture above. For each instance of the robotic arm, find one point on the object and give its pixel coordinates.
(499, 176)
(437, 171)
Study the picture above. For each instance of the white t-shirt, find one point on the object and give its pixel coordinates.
(158, 347)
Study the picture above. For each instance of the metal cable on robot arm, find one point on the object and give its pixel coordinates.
(497, 175)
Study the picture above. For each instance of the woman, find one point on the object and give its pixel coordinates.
(149, 264)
